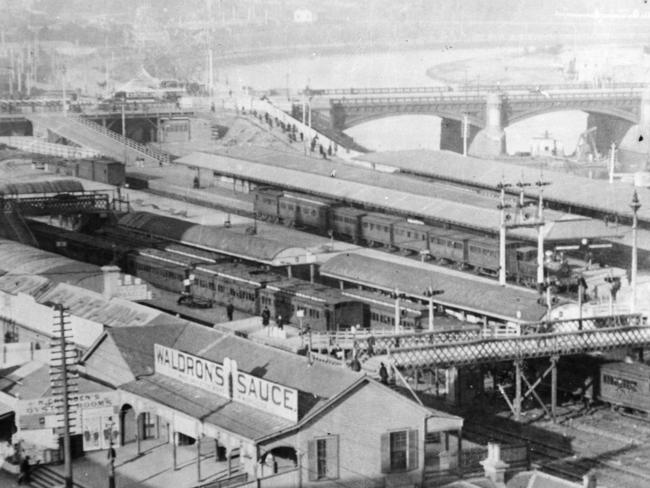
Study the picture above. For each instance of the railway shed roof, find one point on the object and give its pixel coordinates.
(217, 239)
(465, 293)
(19, 259)
(370, 188)
(565, 188)
(43, 186)
(349, 191)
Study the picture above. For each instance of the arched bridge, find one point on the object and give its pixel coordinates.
(623, 103)
(489, 108)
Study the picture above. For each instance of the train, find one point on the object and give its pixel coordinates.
(626, 385)
(461, 248)
(251, 288)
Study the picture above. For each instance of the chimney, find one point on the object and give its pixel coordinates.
(589, 480)
(111, 281)
(495, 468)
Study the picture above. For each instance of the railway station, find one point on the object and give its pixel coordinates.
(221, 268)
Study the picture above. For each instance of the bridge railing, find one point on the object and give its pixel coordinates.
(149, 151)
(469, 88)
(529, 346)
(473, 98)
(45, 205)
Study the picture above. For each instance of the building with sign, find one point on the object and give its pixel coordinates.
(274, 417)
(28, 393)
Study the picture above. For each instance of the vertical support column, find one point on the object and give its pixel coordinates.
(430, 314)
(517, 402)
(635, 206)
(312, 272)
(289, 271)
(198, 457)
(460, 453)
(397, 312)
(174, 454)
(229, 463)
(139, 431)
(554, 360)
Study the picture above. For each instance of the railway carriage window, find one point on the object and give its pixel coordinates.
(372, 226)
(220, 288)
(385, 228)
(408, 234)
(233, 292)
(313, 213)
(211, 286)
(374, 316)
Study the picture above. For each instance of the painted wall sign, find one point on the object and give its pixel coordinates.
(214, 377)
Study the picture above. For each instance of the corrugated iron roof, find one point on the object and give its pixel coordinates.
(474, 295)
(234, 417)
(93, 306)
(44, 186)
(574, 190)
(213, 237)
(19, 259)
(352, 192)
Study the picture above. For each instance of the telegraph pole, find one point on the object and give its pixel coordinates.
(63, 382)
(540, 231)
(635, 206)
(502, 232)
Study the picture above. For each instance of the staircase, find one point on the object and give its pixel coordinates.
(14, 227)
(44, 477)
(89, 134)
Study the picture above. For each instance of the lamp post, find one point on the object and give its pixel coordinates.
(635, 206)
(540, 232)
(430, 293)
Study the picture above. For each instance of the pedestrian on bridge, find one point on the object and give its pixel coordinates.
(230, 311)
(266, 316)
(383, 374)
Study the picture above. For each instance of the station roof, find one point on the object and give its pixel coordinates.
(569, 189)
(349, 191)
(475, 295)
(19, 259)
(217, 239)
(366, 187)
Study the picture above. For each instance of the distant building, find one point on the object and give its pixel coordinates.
(304, 16)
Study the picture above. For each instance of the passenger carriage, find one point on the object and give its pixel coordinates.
(377, 228)
(267, 203)
(325, 309)
(626, 385)
(448, 245)
(304, 210)
(346, 222)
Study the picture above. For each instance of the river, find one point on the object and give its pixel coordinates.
(409, 68)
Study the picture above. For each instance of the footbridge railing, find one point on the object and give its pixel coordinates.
(156, 154)
(56, 205)
(522, 347)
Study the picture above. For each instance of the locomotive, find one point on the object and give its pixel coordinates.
(461, 248)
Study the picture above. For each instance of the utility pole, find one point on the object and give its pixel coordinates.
(540, 231)
(502, 232)
(63, 383)
(430, 293)
(635, 206)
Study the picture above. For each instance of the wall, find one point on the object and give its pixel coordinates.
(359, 421)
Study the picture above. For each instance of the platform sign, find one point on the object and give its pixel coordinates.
(259, 393)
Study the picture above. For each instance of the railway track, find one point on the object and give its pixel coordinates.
(562, 461)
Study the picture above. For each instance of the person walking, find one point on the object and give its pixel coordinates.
(266, 316)
(383, 374)
(279, 322)
(371, 346)
(24, 476)
(230, 311)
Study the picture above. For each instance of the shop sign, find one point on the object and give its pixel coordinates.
(214, 377)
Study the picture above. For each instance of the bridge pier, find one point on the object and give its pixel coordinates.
(634, 150)
(609, 129)
(451, 135)
(491, 141)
